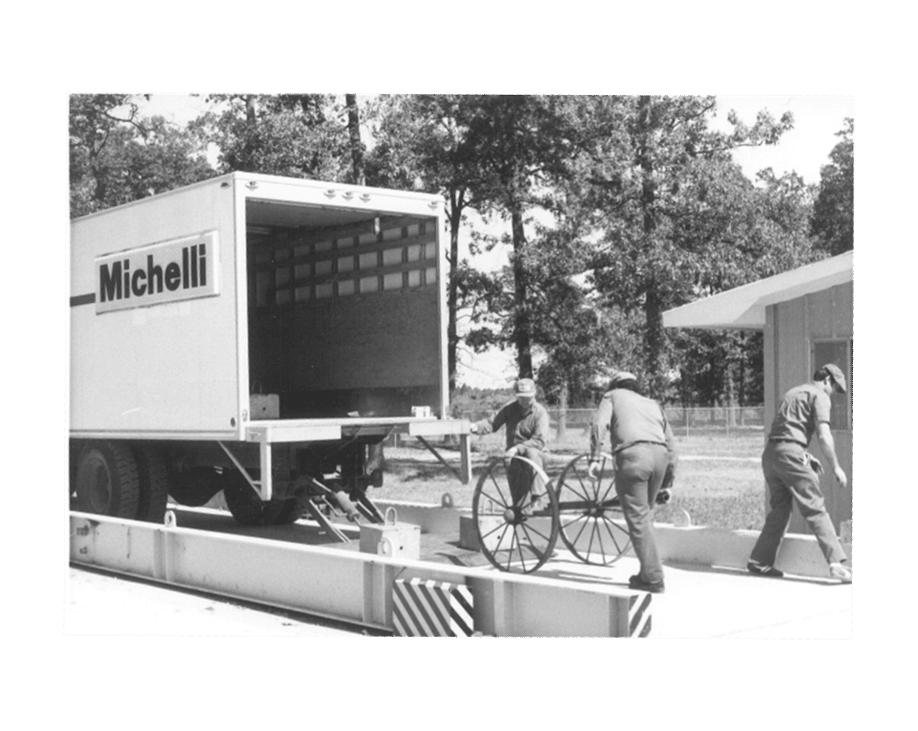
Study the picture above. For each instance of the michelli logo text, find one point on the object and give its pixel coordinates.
(164, 272)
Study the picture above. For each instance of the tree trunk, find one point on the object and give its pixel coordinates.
(653, 349)
(248, 149)
(563, 397)
(731, 398)
(452, 333)
(353, 131)
(100, 190)
(522, 331)
(741, 398)
(653, 307)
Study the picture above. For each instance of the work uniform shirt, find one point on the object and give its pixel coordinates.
(801, 410)
(630, 419)
(527, 428)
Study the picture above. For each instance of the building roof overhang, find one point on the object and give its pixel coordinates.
(743, 308)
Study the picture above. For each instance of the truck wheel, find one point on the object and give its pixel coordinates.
(283, 512)
(154, 482)
(195, 486)
(242, 501)
(107, 482)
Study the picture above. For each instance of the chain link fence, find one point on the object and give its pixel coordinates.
(717, 421)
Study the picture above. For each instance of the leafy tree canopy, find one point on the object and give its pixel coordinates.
(833, 215)
(115, 157)
(302, 136)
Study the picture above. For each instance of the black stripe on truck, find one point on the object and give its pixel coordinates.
(82, 299)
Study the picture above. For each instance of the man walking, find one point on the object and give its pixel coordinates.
(644, 452)
(527, 425)
(792, 473)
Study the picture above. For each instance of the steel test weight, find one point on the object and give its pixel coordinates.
(391, 538)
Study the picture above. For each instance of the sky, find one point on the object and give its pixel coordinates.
(804, 149)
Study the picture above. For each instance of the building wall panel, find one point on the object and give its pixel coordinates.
(791, 329)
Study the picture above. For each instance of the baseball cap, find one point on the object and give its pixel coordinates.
(525, 387)
(837, 376)
(621, 377)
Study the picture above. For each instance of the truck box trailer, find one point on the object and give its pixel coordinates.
(258, 335)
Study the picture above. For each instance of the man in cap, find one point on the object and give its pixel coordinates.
(645, 459)
(792, 473)
(526, 422)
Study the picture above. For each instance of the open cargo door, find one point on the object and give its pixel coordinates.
(345, 312)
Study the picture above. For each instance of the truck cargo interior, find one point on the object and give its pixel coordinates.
(343, 312)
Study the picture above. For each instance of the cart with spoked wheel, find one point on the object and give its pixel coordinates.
(519, 534)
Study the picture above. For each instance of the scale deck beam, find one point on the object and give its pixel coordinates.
(343, 585)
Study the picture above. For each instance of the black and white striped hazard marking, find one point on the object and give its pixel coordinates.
(427, 608)
(639, 615)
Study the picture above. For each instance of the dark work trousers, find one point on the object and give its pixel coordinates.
(790, 479)
(639, 471)
(522, 478)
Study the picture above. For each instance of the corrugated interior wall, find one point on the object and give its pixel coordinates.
(346, 320)
(791, 330)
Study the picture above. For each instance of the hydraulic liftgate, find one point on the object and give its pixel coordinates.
(266, 433)
(348, 586)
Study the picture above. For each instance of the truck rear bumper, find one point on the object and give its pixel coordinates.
(312, 430)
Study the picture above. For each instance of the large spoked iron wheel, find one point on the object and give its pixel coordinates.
(592, 523)
(514, 534)
(107, 481)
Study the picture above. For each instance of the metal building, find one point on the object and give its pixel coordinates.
(807, 316)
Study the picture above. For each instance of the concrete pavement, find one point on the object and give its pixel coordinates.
(711, 602)
(100, 604)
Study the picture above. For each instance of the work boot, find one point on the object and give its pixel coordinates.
(638, 584)
(840, 572)
(754, 567)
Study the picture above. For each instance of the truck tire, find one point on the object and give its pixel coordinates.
(154, 482)
(283, 512)
(107, 482)
(248, 509)
(196, 486)
(242, 501)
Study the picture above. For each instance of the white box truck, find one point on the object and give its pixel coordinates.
(258, 335)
